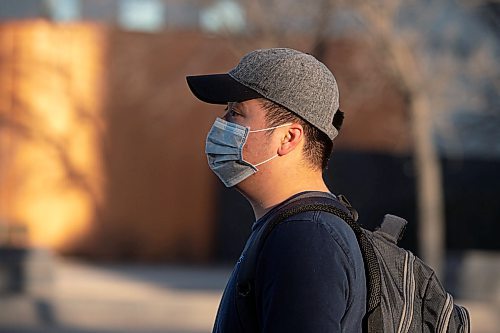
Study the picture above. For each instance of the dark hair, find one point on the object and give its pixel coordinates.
(317, 146)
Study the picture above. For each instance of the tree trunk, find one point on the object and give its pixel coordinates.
(431, 232)
(430, 197)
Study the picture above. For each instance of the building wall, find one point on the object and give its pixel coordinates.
(102, 144)
(101, 147)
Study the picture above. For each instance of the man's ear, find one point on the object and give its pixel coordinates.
(291, 139)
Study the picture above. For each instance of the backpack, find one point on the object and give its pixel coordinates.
(403, 293)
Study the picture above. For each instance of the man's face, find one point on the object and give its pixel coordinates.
(261, 145)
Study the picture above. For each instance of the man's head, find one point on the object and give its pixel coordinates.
(292, 79)
(281, 86)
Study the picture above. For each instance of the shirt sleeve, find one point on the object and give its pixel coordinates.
(302, 280)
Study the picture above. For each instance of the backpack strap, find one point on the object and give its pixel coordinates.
(343, 200)
(245, 280)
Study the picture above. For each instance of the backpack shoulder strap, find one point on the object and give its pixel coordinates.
(314, 202)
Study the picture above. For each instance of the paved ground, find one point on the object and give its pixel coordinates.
(88, 298)
(107, 299)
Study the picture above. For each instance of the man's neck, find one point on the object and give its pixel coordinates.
(264, 201)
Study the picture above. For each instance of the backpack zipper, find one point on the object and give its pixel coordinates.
(464, 318)
(408, 293)
(444, 318)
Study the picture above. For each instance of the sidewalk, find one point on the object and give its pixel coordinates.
(118, 298)
(89, 298)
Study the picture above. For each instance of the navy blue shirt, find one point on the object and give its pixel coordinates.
(310, 278)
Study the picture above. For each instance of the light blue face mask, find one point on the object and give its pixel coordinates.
(224, 149)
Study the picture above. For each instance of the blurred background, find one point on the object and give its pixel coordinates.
(110, 219)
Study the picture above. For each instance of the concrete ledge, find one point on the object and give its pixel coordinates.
(474, 275)
(25, 270)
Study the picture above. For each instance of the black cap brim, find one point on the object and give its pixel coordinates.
(219, 89)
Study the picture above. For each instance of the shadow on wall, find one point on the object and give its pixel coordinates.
(102, 146)
(159, 200)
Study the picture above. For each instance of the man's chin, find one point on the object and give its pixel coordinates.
(245, 186)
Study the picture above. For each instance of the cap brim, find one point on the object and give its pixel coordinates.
(219, 89)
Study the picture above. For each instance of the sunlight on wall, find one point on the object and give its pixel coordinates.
(80, 167)
(54, 177)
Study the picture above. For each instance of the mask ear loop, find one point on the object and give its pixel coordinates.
(260, 163)
(269, 128)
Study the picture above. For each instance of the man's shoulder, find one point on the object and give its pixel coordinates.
(331, 223)
(320, 224)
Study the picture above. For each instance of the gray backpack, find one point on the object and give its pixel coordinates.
(403, 293)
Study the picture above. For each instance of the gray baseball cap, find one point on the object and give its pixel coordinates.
(288, 77)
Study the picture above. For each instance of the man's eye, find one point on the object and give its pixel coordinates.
(230, 112)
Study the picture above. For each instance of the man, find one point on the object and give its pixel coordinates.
(272, 144)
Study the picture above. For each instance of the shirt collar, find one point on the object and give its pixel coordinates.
(271, 212)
